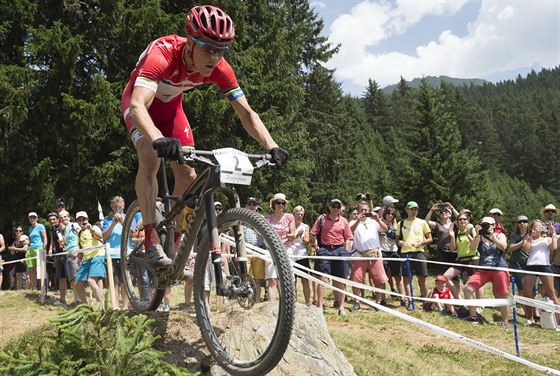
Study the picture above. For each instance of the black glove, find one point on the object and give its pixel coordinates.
(169, 148)
(279, 156)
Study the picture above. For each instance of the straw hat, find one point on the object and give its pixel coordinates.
(549, 207)
(278, 197)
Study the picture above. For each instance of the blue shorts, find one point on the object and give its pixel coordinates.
(92, 268)
(336, 268)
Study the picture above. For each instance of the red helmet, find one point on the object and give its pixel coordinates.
(212, 23)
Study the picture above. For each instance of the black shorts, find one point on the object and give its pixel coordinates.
(417, 268)
(60, 266)
(305, 263)
(394, 266)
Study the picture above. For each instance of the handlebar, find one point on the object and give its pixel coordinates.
(195, 155)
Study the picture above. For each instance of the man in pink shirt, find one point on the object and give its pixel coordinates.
(331, 236)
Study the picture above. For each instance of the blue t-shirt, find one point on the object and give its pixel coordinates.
(35, 237)
(71, 232)
(114, 239)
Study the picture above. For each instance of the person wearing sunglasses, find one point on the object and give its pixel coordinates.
(19, 250)
(37, 241)
(151, 106)
(549, 212)
(331, 236)
(283, 223)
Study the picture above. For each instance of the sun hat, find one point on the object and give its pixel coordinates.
(278, 197)
(549, 207)
(388, 200)
(411, 205)
(488, 220)
(495, 211)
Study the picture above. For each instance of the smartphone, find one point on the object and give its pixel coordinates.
(368, 214)
(119, 210)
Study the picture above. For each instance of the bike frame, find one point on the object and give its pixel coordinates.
(205, 186)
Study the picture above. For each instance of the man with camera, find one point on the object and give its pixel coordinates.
(368, 258)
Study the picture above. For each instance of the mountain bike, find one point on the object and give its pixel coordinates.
(244, 337)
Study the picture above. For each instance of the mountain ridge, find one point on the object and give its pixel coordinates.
(436, 81)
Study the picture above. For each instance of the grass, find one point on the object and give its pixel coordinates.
(375, 343)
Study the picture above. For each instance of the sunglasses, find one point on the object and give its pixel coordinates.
(211, 49)
(462, 219)
(336, 206)
(280, 203)
(522, 222)
(19, 230)
(550, 211)
(218, 208)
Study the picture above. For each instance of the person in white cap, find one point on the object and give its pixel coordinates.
(497, 215)
(491, 246)
(37, 241)
(91, 263)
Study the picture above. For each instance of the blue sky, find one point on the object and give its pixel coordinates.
(491, 39)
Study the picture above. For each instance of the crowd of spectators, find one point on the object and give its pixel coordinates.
(362, 241)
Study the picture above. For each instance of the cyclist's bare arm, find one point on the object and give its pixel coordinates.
(140, 102)
(253, 123)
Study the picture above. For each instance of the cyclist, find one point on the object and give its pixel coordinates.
(152, 107)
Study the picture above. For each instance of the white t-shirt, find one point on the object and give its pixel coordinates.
(540, 252)
(366, 236)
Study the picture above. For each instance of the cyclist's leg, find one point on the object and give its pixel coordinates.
(148, 164)
(184, 175)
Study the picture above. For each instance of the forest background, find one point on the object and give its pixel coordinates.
(64, 64)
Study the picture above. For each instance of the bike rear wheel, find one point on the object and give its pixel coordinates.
(141, 285)
(243, 336)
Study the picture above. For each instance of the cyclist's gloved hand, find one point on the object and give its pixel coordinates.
(169, 148)
(279, 156)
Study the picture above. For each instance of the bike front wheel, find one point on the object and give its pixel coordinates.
(245, 334)
(141, 284)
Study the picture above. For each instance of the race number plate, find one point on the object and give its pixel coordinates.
(235, 166)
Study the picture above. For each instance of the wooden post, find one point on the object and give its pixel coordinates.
(42, 269)
(112, 292)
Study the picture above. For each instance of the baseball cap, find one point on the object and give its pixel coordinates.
(388, 200)
(495, 211)
(218, 203)
(376, 209)
(32, 214)
(335, 201)
(411, 205)
(441, 278)
(252, 200)
(60, 204)
(488, 220)
(81, 214)
(522, 218)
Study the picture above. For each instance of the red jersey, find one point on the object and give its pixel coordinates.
(162, 68)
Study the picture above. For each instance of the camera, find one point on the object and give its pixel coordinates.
(391, 234)
(368, 196)
(442, 206)
(542, 228)
(368, 214)
(360, 197)
(484, 229)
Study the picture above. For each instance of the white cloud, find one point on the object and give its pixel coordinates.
(506, 35)
(317, 5)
